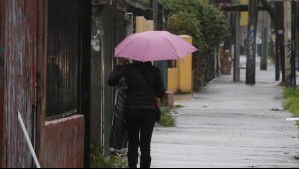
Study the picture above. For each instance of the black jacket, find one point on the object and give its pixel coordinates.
(144, 84)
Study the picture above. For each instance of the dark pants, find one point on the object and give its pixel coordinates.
(140, 125)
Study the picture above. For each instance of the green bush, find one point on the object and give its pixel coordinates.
(290, 92)
(100, 159)
(207, 26)
(167, 120)
(179, 106)
(292, 101)
(292, 104)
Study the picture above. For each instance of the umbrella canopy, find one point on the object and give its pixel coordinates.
(153, 46)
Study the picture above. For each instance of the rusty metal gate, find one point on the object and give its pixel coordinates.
(68, 82)
(64, 54)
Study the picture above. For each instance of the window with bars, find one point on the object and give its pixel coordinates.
(63, 57)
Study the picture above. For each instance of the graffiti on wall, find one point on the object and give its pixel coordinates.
(251, 37)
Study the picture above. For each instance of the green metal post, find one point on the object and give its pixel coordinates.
(163, 66)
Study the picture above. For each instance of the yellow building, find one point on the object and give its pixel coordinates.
(244, 15)
(143, 25)
(180, 76)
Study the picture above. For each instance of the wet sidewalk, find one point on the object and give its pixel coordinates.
(230, 125)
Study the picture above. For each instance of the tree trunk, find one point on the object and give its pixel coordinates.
(251, 37)
(277, 15)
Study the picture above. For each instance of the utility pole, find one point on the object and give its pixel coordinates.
(277, 14)
(237, 48)
(251, 37)
(293, 45)
(288, 41)
(265, 30)
(280, 31)
(155, 14)
(162, 65)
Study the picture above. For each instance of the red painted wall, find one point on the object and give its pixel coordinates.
(20, 51)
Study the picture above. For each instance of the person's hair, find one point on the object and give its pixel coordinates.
(142, 66)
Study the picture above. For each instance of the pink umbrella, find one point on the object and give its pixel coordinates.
(153, 46)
